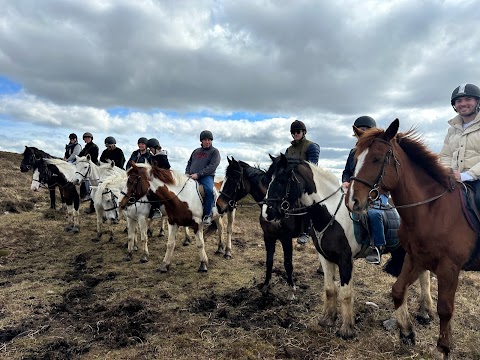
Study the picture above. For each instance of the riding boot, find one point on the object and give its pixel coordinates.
(306, 224)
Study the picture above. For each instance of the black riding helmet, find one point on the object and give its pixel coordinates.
(206, 134)
(110, 141)
(153, 143)
(365, 121)
(465, 90)
(297, 125)
(72, 136)
(142, 140)
(87, 134)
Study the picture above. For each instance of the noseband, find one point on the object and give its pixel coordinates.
(87, 173)
(374, 186)
(113, 198)
(284, 203)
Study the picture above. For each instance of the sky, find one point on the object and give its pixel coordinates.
(242, 69)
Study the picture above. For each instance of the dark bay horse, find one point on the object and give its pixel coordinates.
(30, 156)
(298, 187)
(60, 173)
(242, 179)
(433, 230)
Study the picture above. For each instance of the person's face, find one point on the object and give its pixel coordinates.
(206, 143)
(465, 105)
(142, 146)
(110, 146)
(73, 140)
(297, 134)
(87, 139)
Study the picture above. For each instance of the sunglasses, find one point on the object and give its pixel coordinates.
(296, 132)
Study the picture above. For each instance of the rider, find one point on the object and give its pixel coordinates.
(304, 149)
(112, 152)
(201, 167)
(375, 216)
(158, 157)
(92, 150)
(141, 155)
(460, 150)
(72, 149)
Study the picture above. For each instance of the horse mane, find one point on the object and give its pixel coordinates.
(38, 152)
(65, 168)
(324, 174)
(252, 171)
(169, 177)
(415, 149)
(113, 180)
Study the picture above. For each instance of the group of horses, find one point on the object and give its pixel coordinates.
(434, 232)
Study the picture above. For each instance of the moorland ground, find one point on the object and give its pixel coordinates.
(63, 296)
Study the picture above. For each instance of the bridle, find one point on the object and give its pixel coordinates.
(374, 193)
(113, 197)
(89, 170)
(31, 162)
(374, 186)
(239, 185)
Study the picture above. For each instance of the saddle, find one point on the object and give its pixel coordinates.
(470, 207)
(391, 223)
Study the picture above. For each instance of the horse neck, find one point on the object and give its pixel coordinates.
(253, 184)
(95, 173)
(324, 189)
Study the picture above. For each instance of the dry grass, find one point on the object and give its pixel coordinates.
(64, 297)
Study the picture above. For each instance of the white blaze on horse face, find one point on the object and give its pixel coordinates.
(358, 167)
(35, 181)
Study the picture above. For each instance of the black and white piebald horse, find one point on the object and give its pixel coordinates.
(60, 173)
(298, 186)
(30, 156)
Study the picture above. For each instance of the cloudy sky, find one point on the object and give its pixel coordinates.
(243, 69)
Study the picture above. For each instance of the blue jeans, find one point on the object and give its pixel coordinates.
(207, 182)
(375, 222)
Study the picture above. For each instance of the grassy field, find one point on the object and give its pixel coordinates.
(63, 296)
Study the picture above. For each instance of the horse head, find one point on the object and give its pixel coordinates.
(137, 185)
(233, 187)
(29, 159)
(376, 169)
(83, 169)
(288, 183)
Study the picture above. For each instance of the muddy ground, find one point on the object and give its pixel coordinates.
(63, 296)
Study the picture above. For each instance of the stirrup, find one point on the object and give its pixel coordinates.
(375, 257)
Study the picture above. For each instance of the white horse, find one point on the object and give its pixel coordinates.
(86, 169)
(182, 200)
(106, 200)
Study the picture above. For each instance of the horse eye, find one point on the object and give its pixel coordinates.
(376, 160)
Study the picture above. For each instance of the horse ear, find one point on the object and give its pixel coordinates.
(358, 132)
(229, 160)
(271, 157)
(392, 130)
(133, 164)
(112, 163)
(283, 160)
(89, 157)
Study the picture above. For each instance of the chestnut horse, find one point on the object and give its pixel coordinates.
(182, 200)
(434, 230)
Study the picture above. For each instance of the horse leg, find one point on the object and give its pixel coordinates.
(221, 246)
(99, 213)
(288, 265)
(345, 267)
(409, 274)
(270, 253)
(228, 247)
(52, 198)
(132, 234)
(329, 312)
(70, 211)
(187, 240)
(425, 311)
(447, 275)
(142, 222)
(201, 250)
(162, 227)
(172, 235)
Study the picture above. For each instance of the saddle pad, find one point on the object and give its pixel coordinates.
(391, 223)
(468, 206)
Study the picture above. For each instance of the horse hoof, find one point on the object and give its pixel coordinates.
(409, 339)
(186, 242)
(161, 234)
(345, 334)
(128, 257)
(202, 267)
(423, 320)
(163, 268)
(75, 230)
(143, 259)
(227, 256)
(68, 228)
(219, 252)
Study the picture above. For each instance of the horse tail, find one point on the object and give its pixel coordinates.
(394, 265)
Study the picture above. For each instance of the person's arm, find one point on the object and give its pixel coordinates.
(103, 157)
(132, 157)
(313, 153)
(446, 154)
(94, 153)
(189, 163)
(122, 160)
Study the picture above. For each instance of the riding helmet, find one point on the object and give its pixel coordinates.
(206, 134)
(153, 143)
(365, 121)
(298, 125)
(72, 136)
(142, 140)
(465, 90)
(110, 140)
(87, 134)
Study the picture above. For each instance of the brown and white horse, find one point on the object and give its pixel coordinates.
(433, 230)
(182, 200)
